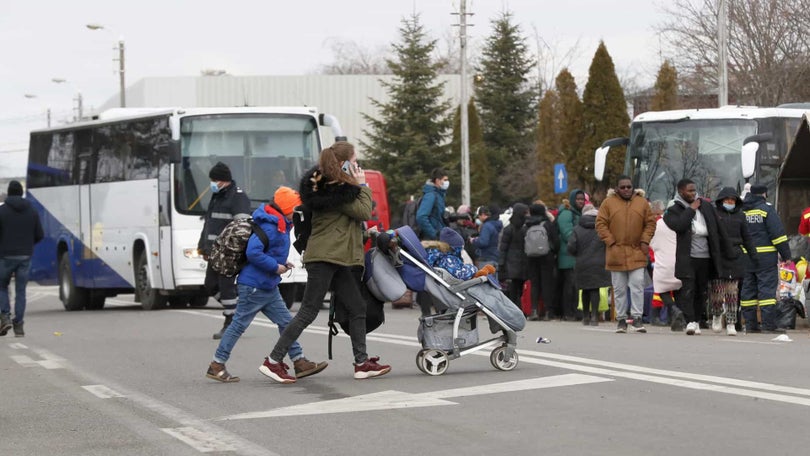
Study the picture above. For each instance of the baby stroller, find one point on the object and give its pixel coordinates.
(453, 332)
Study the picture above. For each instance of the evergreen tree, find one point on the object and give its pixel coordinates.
(569, 113)
(666, 89)
(480, 174)
(604, 116)
(548, 149)
(407, 139)
(506, 100)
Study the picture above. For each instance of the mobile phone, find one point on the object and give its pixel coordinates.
(347, 167)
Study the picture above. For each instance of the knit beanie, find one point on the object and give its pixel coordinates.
(220, 172)
(286, 199)
(451, 237)
(14, 188)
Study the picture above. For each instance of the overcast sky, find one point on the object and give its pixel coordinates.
(42, 40)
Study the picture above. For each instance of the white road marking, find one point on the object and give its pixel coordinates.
(49, 361)
(102, 392)
(387, 400)
(17, 346)
(199, 440)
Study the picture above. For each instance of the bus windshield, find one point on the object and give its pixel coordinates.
(705, 151)
(263, 151)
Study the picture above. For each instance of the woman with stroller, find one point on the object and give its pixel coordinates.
(340, 201)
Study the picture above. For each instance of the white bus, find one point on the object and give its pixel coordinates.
(705, 145)
(122, 198)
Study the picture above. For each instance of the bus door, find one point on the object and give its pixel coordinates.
(82, 254)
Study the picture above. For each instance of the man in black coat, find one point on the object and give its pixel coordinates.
(700, 246)
(228, 203)
(20, 229)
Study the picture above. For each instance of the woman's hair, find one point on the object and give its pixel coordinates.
(332, 159)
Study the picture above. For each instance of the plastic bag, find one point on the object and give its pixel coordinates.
(604, 299)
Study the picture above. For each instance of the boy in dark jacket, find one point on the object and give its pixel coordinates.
(589, 270)
(258, 286)
(723, 291)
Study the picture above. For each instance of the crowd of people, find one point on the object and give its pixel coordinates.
(692, 263)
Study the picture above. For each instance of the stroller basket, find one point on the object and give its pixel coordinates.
(436, 331)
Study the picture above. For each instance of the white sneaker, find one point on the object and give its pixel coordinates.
(690, 328)
(717, 323)
(697, 329)
(731, 330)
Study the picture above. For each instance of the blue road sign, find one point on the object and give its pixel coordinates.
(560, 178)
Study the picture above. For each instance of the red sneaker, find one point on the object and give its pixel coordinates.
(276, 371)
(370, 368)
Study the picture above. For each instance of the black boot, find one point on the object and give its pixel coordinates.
(18, 330)
(228, 320)
(595, 315)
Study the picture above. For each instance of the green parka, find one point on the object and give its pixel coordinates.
(567, 219)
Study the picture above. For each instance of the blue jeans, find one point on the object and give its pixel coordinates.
(252, 301)
(19, 268)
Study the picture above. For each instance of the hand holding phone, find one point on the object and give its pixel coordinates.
(347, 167)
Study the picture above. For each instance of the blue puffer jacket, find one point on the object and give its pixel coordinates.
(260, 271)
(486, 244)
(430, 213)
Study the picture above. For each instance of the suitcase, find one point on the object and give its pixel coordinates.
(526, 300)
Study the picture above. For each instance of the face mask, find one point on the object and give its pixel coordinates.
(214, 187)
(445, 185)
(729, 207)
(478, 222)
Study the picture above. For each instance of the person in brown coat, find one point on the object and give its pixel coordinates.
(626, 225)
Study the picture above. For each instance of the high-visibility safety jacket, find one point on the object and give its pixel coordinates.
(804, 223)
(766, 231)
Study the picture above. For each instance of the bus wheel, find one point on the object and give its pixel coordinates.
(72, 297)
(151, 299)
(199, 301)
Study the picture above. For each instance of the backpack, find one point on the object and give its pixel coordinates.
(409, 215)
(302, 224)
(536, 243)
(228, 253)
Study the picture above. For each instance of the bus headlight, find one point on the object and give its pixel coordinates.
(192, 253)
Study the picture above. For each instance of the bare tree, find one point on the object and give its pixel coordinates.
(353, 58)
(769, 51)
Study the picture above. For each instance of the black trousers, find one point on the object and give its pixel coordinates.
(693, 296)
(540, 272)
(222, 288)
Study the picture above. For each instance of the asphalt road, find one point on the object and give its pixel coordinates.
(123, 381)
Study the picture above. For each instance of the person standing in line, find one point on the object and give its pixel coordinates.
(541, 270)
(664, 244)
(761, 279)
(430, 213)
(567, 219)
(724, 296)
(336, 192)
(20, 229)
(512, 258)
(626, 225)
(486, 243)
(589, 270)
(701, 244)
(258, 286)
(228, 203)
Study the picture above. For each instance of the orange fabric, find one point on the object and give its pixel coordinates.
(286, 199)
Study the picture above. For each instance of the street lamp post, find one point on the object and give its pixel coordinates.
(79, 102)
(31, 96)
(121, 63)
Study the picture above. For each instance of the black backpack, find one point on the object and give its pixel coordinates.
(409, 214)
(339, 314)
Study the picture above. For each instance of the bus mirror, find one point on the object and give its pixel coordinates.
(748, 154)
(599, 160)
(748, 158)
(600, 156)
(171, 150)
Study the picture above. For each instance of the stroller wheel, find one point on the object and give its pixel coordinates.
(420, 356)
(434, 362)
(499, 361)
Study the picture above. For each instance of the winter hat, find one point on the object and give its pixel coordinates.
(759, 189)
(220, 172)
(14, 188)
(452, 238)
(463, 209)
(589, 209)
(286, 199)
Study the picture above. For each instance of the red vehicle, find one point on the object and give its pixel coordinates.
(380, 213)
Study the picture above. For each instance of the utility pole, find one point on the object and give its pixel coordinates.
(48, 114)
(465, 127)
(121, 67)
(722, 52)
(79, 107)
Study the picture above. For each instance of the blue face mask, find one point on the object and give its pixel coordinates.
(729, 207)
(214, 187)
(478, 222)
